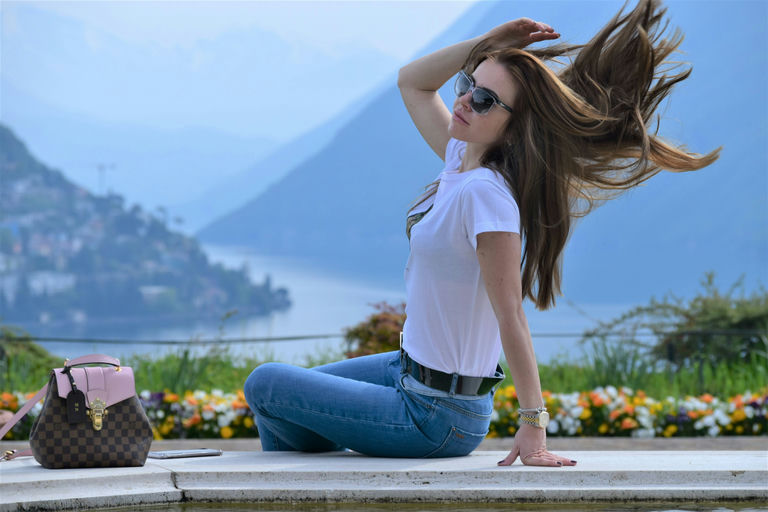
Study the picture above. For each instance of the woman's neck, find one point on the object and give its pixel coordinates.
(472, 155)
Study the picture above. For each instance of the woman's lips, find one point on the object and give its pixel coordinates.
(457, 116)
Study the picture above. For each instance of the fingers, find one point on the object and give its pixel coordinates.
(545, 458)
(512, 457)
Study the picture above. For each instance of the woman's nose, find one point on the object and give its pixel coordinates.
(464, 100)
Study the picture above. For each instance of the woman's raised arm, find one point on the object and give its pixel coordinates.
(420, 80)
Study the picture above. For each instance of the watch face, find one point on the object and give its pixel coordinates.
(544, 419)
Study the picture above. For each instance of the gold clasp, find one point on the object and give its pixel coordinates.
(97, 412)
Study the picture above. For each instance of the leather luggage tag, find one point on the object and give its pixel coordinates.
(76, 407)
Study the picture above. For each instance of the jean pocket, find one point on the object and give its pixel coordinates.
(457, 443)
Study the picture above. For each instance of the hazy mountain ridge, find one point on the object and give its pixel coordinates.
(67, 255)
(346, 206)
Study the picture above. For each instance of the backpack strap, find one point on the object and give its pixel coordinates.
(12, 454)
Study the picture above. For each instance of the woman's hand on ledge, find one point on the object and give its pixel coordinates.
(521, 32)
(531, 446)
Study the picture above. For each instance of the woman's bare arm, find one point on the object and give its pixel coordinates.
(499, 256)
(419, 82)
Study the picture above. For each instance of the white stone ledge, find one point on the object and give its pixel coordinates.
(339, 477)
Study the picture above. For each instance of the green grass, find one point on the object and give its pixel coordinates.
(25, 366)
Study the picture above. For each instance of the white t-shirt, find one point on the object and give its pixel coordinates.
(450, 323)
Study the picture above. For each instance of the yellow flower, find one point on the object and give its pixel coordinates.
(227, 432)
(248, 422)
(670, 430)
(603, 428)
(586, 414)
(738, 415)
(739, 429)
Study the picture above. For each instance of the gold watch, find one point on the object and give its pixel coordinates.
(535, 417)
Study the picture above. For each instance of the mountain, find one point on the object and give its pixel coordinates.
(147, 165)
(69, 256)
(236, 190)
(345, 207)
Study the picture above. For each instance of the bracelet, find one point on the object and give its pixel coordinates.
(534, 411)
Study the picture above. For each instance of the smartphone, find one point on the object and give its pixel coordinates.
(179, 454)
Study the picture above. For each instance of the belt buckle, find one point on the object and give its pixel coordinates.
(403, 362)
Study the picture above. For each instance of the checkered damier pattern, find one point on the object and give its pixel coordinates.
(124, 439)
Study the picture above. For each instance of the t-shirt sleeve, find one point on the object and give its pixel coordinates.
(488, 206)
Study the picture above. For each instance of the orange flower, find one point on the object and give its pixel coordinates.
(237, 404)
(170, 398)
(693, 414)
(546, 394)
(191, 400)
(596, 399)
(615, 414)
(191, 422)
(630, 409)
(641, 394)
(707, 398)
(208, 407)
(628, 423)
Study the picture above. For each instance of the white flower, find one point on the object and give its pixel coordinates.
(627, 391)
(611, 392)
(224, 420)
(145, 395)
(217, 393)
(749, 411)
(643, 432)
(208, 415)
(199, 395)
(495, 415)
(721, 417)
(160, 413)
(713, 431)
(553, 427)
(575, 412)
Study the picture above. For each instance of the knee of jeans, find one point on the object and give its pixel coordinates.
(258, 385)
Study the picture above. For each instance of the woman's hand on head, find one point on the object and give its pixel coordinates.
(521, 32)
(531, 446)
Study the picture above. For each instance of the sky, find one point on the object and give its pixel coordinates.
(227, 65)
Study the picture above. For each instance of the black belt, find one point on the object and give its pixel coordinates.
(444, 381)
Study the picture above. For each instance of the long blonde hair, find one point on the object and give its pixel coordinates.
(581, 135)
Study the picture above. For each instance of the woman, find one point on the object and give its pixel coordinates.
(526, 150)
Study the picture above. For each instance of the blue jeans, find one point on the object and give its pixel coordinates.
(365, 404)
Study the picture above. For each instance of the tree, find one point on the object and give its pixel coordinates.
(380, 332)
(713, 327)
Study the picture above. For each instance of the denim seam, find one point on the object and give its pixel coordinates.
(340, 418)
(460, 410)
(449, 437)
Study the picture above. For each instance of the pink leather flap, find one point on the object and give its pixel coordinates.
(107, 384)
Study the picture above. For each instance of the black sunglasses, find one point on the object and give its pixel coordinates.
(482, 99)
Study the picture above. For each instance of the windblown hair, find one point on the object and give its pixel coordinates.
(581, 136)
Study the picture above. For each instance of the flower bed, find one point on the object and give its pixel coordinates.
(623, 412)
(601, 412)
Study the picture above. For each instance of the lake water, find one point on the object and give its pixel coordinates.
(323, 304)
